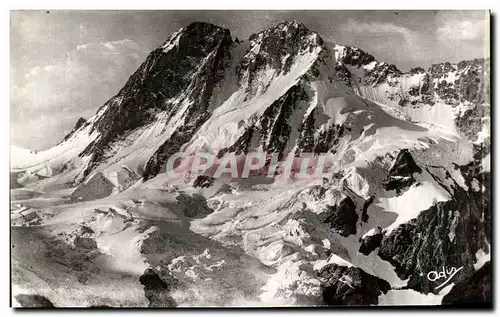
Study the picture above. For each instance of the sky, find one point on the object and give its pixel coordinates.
(66, 64)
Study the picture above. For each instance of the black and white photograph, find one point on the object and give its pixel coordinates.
(250, 158)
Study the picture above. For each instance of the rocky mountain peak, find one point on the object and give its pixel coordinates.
(278, 48)
(285, 37)
(197, 35)
(285, 28)
(171, 74)
(79, 124)
(351, 55)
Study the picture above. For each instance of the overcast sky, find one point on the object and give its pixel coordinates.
(66, 64)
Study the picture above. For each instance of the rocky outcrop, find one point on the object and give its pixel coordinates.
(404, 165)
(473, 291)
(85, 243)
(447, 234)
(350, 286)
(33, 301)
(156, 290)
(342, 74)
(469, 82)
(318, 142)
(14, 180)
(96, 187)
(211, 44)
(81, 122)
(224, 189)
(471, 121)
(203, 181)
(371, 242)
(275, 125)
(400, 176)
(270, 55)
(343, 218)
(380, 73)
(366, 204)
(273, 129)
(275, 48)
(29, 217)
(194, 206)
(350, 55)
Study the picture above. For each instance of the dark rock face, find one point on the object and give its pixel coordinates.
(343, 218)
(342, 74)
(97, 186)
(370, 243)
(85, 243)
(321, 142)
(356, 57)
(437, 69)
(366, 204)
(414, 90)
(272, 131)
(399, 184)
(241, 145)
(194, 206)
(34, 301)
(156, 290)
(470, 122)
(201, 87)
(191, 67)
(474, 290)
(275, 128)
(328, 139)
(377, 74)
(203, 181)
(224, 189)
(400, 175)
(81, 122)
(317, 191)
(350, 286)
(471, 85)
(380, 73)
(416, 70)
(447, 234)
(84, 230)
(270, 48)
(446, 91)
(157, 162)
(404, 165)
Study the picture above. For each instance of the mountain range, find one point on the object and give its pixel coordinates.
(95, 221)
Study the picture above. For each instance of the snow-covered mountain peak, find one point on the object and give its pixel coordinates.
(407, 177)
(351, 55)
(278, 48)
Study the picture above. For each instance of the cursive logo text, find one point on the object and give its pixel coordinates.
(445, 273)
